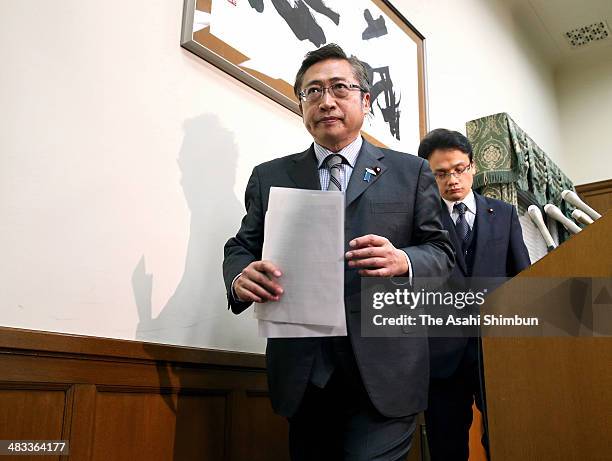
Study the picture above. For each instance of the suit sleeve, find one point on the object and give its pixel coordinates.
(518, 256)
(246, 246)
(433, 255)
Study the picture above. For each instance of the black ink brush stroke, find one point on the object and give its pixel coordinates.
(375, 28)
(390, 112)
(300, 20)
(258, 5)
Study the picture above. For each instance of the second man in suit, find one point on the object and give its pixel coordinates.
(488, 242)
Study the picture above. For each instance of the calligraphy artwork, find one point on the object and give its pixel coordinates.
(262, 43)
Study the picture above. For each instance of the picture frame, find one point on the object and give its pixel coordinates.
(262, 43)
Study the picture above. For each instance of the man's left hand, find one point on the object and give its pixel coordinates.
(376, 257)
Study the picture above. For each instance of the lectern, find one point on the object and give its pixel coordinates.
(550, 398)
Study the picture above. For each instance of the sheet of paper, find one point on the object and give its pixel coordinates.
(304, 237)
(269, 329)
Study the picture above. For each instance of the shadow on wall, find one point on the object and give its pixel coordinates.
(196, 314)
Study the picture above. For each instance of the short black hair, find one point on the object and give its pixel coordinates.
(331, 51)
(444, 139)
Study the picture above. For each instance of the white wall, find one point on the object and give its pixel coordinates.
(585, 103)
(123, 158)
(480, 62)
(123, 164)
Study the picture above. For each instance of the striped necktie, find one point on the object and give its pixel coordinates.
(333, 163)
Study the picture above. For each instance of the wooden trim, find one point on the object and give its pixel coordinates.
(79, 427)
(15, 340)
(599, 186)
(33, 386)
(598, 195)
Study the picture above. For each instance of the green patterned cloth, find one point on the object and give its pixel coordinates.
(505, 192)
(497, 162)
(508, 161)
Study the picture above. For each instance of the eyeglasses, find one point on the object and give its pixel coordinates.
(339, 90)
(442, 176)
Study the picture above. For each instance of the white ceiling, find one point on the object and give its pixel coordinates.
(546, 21)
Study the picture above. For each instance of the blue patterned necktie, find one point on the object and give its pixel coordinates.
(461, 225)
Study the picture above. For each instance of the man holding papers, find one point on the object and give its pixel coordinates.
(346, 397)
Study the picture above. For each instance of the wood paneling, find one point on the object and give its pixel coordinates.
(159, 426)
(79, 429)
(597, 194)
(31, 413)
(123, 400)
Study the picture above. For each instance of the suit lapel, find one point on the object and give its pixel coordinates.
(449, 225)
(484, 222)
(369, 157)
(304, 171)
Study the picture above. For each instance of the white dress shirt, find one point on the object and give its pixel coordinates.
(470, 214)
(350, 153)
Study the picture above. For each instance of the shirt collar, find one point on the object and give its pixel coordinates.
(469, 200)
(350, 152)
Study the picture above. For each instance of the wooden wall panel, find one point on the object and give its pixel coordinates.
(31, 413)
(79, 427)
(158, 426)
(204, 419)
(259, 427)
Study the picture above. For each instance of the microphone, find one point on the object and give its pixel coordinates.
(581, 216)
(572, 198)
(536, 216)
(555, 213)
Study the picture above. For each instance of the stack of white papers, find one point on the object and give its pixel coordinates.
(304, 238)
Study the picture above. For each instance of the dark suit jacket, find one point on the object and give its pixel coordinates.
(401, 203)
(499, 252)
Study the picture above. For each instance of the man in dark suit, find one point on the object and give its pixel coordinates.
(345, 397)
(488, 242)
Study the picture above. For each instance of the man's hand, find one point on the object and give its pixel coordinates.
(257, 283)
(377, 256)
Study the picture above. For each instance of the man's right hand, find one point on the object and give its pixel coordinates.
(258, 283)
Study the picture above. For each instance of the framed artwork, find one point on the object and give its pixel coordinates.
(263, 42)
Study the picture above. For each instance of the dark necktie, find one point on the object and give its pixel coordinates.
(461, 225)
